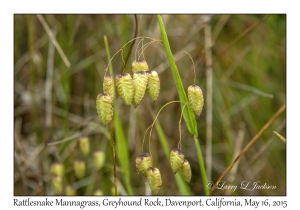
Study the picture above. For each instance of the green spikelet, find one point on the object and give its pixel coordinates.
(140, 80)
(142, 163)
(153, 85)
(176, 160)
(98, 192)
(84, 145)
(185, 171)
(79, 168)
(57, 169)
(195, 98)
(70, 191)
(57, 184)
(104, 108)
(108, 86)
(125, 88)
(154, 179)
(98, 159)
(139, 65)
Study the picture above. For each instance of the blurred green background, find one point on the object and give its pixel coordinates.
(56, 103)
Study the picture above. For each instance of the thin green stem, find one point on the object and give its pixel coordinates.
(201, 165)
(141, 37)
(192, 62)
(151, 126)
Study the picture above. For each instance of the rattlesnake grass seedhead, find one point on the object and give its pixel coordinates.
(125, 88)
(140, 80)
(185, 171)
(176, 160)
(195, 98)
(143, 163)
(153, 86)
(139, 65)
(104, 108)
(108, 85)
(154, 179)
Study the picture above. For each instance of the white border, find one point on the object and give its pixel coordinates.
(6, 43)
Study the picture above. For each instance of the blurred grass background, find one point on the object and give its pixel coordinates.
(54, 102)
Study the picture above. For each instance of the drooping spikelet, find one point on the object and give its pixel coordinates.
(98, 159)
(98, 192)
(140, 80)
(79, 168)
(104, 108)
(57, 184)
(139, 65)
(142, 163)
(57, 169)
(185, 171)
(125, 88)
(108, 85)
(154, 179)
(84, 145)
(195, 98)
(176, 160)
(153, 85)
(70, 191)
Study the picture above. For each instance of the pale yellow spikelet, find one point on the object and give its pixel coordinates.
(195, 97)
(153, 85)
(70, 191)
(140, 80)
(57, 169)
(185, 171)
(104, 108)
(154, 179)
(84, 145)
(139, 65)
(125, 88)
(98, 159)
(108, 85)
(98, 192)
(57, 184)
(79, 168)
(142, 163)
(176, 160)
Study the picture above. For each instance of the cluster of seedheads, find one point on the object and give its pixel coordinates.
(181, 165)
(144, 166)
(79, 167)
(131, 90)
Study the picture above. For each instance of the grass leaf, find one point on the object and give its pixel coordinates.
(188, 114)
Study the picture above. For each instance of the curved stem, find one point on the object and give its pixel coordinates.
(135, 35)
(145, 46)
(192, 62)
(140, 37)
(151, 126)
(137, 47)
